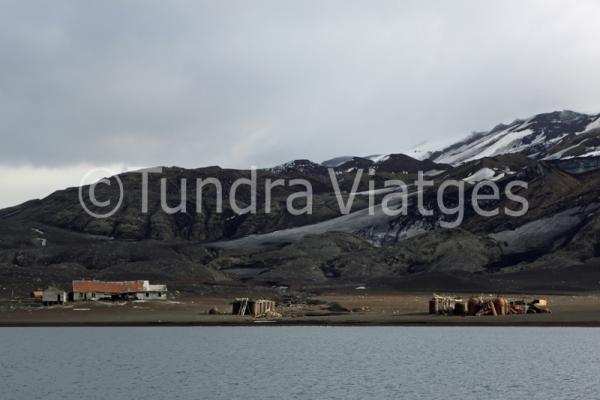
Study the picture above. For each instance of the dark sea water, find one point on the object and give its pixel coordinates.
(299, 363)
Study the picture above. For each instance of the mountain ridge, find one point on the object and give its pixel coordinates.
(54, 240)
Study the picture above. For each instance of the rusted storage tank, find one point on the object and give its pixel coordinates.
(473, 305)
(460, 308)
(434, 306)
(502, 305)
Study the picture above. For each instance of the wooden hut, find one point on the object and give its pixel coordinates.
(54, 296)
(246, 306)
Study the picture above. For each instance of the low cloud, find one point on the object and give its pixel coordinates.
(239, 84)
(23, 183)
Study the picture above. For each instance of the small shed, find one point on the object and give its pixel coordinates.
(54, 295)
(246, 306)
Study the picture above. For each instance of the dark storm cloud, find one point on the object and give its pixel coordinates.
(242, 83)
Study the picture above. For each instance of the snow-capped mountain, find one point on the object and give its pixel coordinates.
(559, 231)
(556, 135)
(392, 163)
(299, 166)
(337, 161)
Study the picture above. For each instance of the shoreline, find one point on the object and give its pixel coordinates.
(532, 324)
(368, 308)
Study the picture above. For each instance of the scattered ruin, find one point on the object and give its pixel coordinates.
(485, 305)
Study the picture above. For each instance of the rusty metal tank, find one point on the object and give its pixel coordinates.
(434, 306)
(502, 305)
(473, 305)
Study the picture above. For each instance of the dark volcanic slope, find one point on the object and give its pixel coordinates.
(53, 241)
(406, 164)
(200, 220)
(204, 223)
(561, 230)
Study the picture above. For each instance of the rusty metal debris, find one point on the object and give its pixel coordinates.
(485, 305)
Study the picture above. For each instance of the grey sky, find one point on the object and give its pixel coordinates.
(240, 83)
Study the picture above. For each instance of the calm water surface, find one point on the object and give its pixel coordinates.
(299, 363)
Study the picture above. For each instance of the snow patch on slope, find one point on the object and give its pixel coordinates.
(533, 137)
(336, 162)
(593, 125)
(378, 157)
(425, 149)
(559, 154)
(377, 191)
(509, 143)
(593, 151)
(484, 174)
(433, 172)
(506, 141)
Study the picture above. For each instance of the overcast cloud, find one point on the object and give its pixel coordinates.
(240, 83)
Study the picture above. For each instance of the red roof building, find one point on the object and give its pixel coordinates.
(122, 287)
(122, 290)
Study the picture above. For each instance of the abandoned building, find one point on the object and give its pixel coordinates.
(245, 306)
(53, 296)
(485, 305)
(121, 290)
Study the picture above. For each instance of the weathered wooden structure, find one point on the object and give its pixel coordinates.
(245, 306)
(53, 296)
(445, 304)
